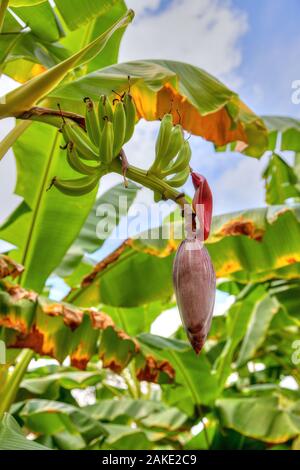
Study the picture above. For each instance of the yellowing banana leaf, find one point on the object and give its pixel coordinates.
(194, 382)
(117, 279)
(8, 267)
(31, 54)
(270, 419)
(206, 106)
(24, 97)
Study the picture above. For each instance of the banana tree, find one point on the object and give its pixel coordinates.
(68, 53)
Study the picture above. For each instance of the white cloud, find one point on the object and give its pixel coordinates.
(141, 7)
(203, 33)
(240, 187)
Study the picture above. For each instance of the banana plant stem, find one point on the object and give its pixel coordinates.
(3, 7)
(10, 389)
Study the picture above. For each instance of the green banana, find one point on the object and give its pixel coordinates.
(105, 111)
(119, 126)
(182, 161)
(106, 143)
(179, 179)
(91, 121)
(176, 141)
(76, 163)
(130, 112)
(74, 133)
(162, 141)
(76, 187)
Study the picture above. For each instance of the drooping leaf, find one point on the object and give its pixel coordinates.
(237, 323)
(32, 54)
(281, 181)
(244, 246)
(107, 211)
(60, 329)
(287, 128)
(52, 417)
(49, 385)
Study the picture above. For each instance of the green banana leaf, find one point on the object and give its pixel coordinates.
(32, 53)
(87, 241)
(194, 382)
(270, 419)
(244, 246)
(282, 181)
(258, 327)
(23, 98)
(60, 330)
(237, 323)
(44, 219)
(287, 128)
(52, 417)
(41, 20)
(12, 437)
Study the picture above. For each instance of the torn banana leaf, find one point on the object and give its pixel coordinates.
(206, 107)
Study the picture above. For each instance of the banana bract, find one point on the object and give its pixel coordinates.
(194, 282)
(202, 203)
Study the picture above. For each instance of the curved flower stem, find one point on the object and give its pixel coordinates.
(149, 181)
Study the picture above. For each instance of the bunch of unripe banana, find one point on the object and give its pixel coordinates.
(109, 126)
(172, 154)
